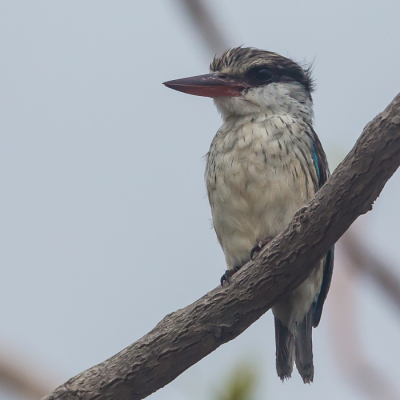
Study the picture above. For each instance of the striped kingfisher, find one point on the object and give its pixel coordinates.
(265, 162)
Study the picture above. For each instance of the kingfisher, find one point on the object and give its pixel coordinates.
(265, 162)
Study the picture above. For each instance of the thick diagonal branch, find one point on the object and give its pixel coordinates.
(186, 336)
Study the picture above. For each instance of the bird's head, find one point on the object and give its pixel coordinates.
(249, 81)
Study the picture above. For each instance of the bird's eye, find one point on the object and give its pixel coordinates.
(263, 75)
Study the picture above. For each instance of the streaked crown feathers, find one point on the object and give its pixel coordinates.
(240, 61)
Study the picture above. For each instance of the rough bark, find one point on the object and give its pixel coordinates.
(186, 336)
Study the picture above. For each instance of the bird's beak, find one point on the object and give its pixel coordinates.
(209, 85)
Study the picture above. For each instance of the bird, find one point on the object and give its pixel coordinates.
(264, 163)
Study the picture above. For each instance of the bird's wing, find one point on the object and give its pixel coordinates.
(321, 166)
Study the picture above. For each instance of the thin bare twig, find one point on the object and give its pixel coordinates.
(24, 377)
(362, 258)
(206, 25)
(354, 365)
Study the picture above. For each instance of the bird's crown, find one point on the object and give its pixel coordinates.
(258, 67)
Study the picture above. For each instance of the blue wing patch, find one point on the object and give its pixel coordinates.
(315, 159)
(322, 174)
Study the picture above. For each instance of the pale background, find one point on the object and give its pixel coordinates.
(105, 226)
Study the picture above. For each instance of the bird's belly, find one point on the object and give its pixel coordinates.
(260, 171)
(258, 175)
(251, 203)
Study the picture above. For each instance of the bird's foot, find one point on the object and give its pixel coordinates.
(257, 248)
(226, 277)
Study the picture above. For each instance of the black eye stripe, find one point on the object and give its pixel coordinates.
(260, 75)
(263, 75)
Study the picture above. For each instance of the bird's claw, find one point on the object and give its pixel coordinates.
(257, 248)
(226, 277)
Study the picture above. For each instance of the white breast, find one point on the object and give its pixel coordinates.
(258, 175)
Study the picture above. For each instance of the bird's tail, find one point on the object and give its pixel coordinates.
(289, 348)
(303, 344)
(285, 349)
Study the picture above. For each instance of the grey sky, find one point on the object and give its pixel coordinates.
(105, 223)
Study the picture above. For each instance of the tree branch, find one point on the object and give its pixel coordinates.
(367, 262)
(22, 376)
(354, 365)
(186, 336)
(203, 20)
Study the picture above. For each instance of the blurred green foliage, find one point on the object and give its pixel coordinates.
(241, 383)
